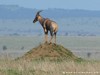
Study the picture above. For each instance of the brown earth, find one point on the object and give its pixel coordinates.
(51, 52)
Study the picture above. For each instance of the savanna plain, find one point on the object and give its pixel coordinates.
(85, 47)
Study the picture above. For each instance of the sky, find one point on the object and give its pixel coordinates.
(64, 4)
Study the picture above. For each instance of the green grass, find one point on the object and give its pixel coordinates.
(73, 43)
(13, 72)
(16, 43)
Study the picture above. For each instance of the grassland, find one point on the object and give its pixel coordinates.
(23, 67)
(80, 46)
(8, 66)
(16, 42)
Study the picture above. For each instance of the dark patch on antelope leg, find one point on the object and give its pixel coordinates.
(51, 33)
(46, 37)
(55, 37)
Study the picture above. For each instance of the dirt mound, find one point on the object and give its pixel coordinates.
(50, 51)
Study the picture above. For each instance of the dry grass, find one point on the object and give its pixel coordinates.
(40, 67)
(47, 67)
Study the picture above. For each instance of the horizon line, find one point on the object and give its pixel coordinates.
(47, 8)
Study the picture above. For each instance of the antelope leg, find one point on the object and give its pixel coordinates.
(55, 37)
(51, 39)
(51, 36)
(46, 37)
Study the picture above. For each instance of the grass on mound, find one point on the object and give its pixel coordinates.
(50, 52)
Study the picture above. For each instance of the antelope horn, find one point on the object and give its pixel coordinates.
(39, 12)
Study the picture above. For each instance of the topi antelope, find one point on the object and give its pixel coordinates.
(48, 25)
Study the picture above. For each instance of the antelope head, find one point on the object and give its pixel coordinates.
(37, 16)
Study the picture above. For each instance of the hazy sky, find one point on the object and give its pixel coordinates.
(45, 4)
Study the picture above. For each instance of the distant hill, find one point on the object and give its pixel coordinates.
(16, 12)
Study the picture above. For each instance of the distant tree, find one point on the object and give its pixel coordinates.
(66, 34)
(4, 47)
(88, 54)
(22, 48)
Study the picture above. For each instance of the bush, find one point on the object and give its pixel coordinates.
(4, 47)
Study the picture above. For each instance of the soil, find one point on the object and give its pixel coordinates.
(51, 52)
